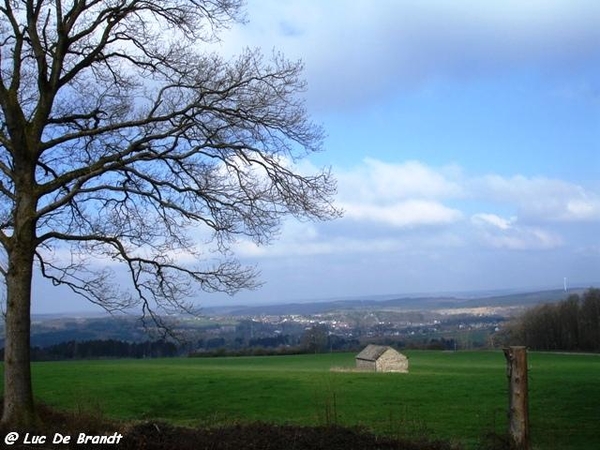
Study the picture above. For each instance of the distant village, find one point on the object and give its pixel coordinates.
(350, 330)
(55, 338)
(441, 324)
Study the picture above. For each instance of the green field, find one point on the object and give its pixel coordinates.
(457, 396)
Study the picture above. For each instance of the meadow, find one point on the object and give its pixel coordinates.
(456, 396)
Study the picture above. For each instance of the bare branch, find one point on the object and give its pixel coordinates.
(121, 143)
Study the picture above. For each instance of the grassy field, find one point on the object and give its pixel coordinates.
(457, 396)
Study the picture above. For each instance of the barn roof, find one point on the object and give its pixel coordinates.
(372, 352)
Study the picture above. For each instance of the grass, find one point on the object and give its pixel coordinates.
(457, 396)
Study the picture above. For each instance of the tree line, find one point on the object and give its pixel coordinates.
(570, 325)
(316, 339)
(103, 348)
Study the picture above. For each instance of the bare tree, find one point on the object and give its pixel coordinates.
(121, 140)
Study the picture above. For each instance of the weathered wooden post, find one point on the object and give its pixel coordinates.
(518, 405)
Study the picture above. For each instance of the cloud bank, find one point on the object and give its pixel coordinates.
(361, 52)
(399, 206)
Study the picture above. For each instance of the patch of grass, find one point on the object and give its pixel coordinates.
(455, 396)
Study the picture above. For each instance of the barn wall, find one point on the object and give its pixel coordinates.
(361, 364)
(392, 361)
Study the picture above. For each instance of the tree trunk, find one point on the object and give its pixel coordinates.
(518, 408)
(19, 409)
(18, 394)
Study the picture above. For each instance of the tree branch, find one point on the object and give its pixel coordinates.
(126, 139)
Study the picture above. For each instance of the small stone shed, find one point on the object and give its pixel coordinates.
(381, 358)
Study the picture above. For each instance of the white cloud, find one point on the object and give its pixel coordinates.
(295, 238)
(412, 193)
(498, 232)
(292, 246)
(494, 220)
(294, 242)
(380, 181)
(540, 199)
(409, 213)
(399, 195)
(399, 207)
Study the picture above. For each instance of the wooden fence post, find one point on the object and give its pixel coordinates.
(518, 404)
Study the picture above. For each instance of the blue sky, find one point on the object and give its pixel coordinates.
(465, 137)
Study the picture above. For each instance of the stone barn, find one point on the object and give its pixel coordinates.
(381, 358)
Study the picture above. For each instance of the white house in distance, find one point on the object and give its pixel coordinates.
(381, 358)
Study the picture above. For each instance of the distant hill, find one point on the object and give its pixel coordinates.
(53, 329)
(411, 303)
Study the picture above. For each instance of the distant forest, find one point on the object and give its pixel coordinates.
(103, 348)
(570, 325)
